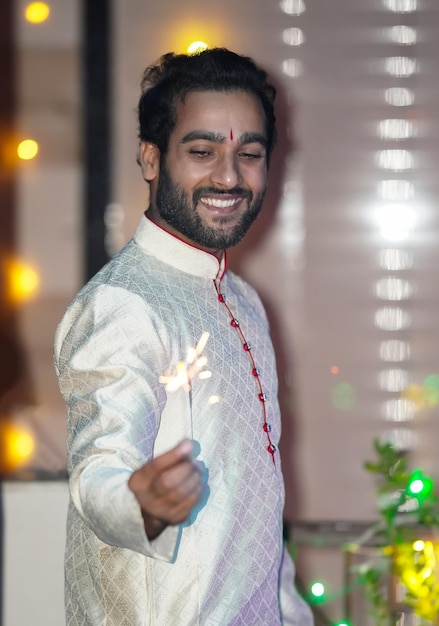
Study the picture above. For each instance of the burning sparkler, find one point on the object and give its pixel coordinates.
(187, 370)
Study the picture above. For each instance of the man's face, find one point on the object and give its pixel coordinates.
(212, 180)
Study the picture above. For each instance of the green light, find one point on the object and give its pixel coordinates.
(343, 397)
(416, 486)
(342, 624)
(318, 589)
(419, 486)
(431, 388)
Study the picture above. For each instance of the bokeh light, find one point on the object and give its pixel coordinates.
(17, 446)
(293, 36)
(418, 545)
(343, 397)
(400, 67)
(395, 129)
(318, 589)
(425, 395)
(37, 12)
(392, 318)
(196, 46)
(399, 96)
(395, 221)
(397, 190)
(22, 281)
(292, 67)
(396, 260)
(27, 149)
(401, 6)
(293, 7)
(403, 35)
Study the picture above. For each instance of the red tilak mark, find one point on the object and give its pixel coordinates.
(231, 135)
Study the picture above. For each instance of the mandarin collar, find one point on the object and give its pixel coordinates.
(169, 249)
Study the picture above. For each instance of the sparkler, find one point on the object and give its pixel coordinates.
(187, 370)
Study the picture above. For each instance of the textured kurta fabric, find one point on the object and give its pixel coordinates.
(128, 327)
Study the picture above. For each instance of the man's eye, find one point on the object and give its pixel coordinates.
(200, 154)
(250, 156)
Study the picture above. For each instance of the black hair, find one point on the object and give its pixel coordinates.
(215, 69)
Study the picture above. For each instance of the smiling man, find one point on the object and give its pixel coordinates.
(175, 514)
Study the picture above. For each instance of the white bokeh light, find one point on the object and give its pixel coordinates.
(293, 7)
(392, 318)
(394, 350)
(399, 410)
(396, 160)
(396, 221)
(401, 6)
(404, 35)
(395, 259)
(401, 67)
(401, 438)
(394, 289)
(394, 380)
(293, 36)
(395, 129)
(396, 190)
(399, 96)
(292, 67)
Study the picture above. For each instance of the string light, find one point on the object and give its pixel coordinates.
(318, 590)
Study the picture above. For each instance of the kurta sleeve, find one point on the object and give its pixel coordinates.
(294, 610)
(109, 353)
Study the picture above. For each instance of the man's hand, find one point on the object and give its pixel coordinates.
(167, 488)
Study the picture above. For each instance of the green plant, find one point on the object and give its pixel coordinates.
(404, 540)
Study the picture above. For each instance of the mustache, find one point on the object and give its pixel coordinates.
(234, 191)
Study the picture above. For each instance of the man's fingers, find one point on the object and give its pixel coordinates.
(166, 475)
(168, 487)
(176, 455)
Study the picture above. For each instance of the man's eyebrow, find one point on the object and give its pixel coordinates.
(253, 138)
(204, 135)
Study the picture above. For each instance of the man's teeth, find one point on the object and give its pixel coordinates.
(220, 204)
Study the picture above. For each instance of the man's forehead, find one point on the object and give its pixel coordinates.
(211, 108)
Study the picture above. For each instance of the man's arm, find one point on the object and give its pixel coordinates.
(110, 351)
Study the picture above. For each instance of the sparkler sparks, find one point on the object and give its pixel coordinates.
(187, 370)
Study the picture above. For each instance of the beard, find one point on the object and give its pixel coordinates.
(174, 206)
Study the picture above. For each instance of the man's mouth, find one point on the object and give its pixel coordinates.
(221, 203)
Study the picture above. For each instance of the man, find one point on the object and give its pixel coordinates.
(165, 363)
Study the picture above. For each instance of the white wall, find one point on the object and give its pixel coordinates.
(34, 538)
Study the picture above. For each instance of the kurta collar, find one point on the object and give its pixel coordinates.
(171, 250)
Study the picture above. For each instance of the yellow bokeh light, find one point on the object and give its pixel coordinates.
(197, 46)
(22, 280)
(418, 545)
(17, 446)
(37, 12)
(27, 149)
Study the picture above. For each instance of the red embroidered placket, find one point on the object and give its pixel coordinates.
(266, 427)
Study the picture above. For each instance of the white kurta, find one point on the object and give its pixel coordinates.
(130, 325)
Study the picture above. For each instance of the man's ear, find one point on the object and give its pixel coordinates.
(149, 157)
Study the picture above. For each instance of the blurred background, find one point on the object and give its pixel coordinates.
(345, 255)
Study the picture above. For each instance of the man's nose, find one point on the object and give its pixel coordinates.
(226, 172)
